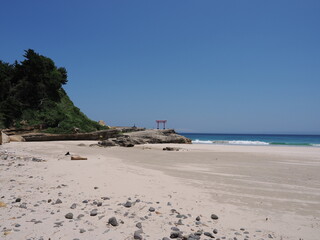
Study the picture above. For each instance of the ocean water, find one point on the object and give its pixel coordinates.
(254, 139)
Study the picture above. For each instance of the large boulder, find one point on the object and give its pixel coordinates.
(130, 139)
(4, 138)
(158, 136)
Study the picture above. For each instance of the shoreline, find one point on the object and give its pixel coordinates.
(264, 190)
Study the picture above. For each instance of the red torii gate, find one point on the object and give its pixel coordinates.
(161, 121)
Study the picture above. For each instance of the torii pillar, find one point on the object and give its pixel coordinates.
(161, 121)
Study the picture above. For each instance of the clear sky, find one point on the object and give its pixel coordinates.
(205, 66)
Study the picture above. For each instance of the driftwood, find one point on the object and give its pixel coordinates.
(76, 157)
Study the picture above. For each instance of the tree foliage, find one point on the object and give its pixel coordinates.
(31, 92)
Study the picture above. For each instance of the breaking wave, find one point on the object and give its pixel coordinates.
(233, 142)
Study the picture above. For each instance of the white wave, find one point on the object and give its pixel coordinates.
(316, 145)
(199, 141)
(234, 142)
(248, 143)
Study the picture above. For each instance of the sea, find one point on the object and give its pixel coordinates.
(254, 139)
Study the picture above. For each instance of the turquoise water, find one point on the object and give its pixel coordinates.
(254, 139)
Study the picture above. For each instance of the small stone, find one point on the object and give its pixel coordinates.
(270, 236)
(95, 187)
(139, 225)
(18, 200)
(214, 217)
(113, 221)
(85, 201)
(23, 205)
(208, 234)
(58, 201)
(128, 204)
(165, 238)
(94, 212)
(175, 229)
(198, 218)
(73, 206)
(69, 216)
(137, 235)
(99, 204)
(17, 225)
(80, 216)
(174, 234)
(82, 230)
(215, 231)
(151, 209)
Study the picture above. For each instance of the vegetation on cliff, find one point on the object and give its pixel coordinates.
(31, 94)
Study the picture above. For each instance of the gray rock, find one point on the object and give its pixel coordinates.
(128, 204)
(152, 209)
(99, 204)
(23, 205)
(73, 206)
(215, 231)
(208, 234)
(18, 200)
(82, 230)
(69, 216)
(175, 229)
(214, 217)
(137, 235)
(139, 225)
(80, 216)
(94, 212)
(165, 238)
(113, 221)
(175, 234)
(58, 201)
(198, 218)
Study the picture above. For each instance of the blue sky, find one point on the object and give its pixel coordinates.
(205, 66)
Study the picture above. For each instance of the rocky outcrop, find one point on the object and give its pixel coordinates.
(158, 136)
(105, 134)
(4, 138)
(143, 137)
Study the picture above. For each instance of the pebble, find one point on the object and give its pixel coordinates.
(94, 212)
(18, 200)
(80, 216)
(128, 204)
(58, 201)
(69, 216)
(214, 217)
(175, 234)
(82, 230)
(137, 235)
(23, 205)
(113, 221)
(139, 225)
(215, 231)
(208, 234)
(73, 206)
(151, 209)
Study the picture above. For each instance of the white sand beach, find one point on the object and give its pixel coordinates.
(258, 192)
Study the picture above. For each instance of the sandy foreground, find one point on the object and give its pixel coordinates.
(258, 192)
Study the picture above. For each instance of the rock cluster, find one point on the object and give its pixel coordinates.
(148, 136)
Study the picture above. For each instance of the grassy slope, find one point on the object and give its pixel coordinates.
(59, 117)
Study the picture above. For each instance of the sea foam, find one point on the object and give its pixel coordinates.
(233, 142)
